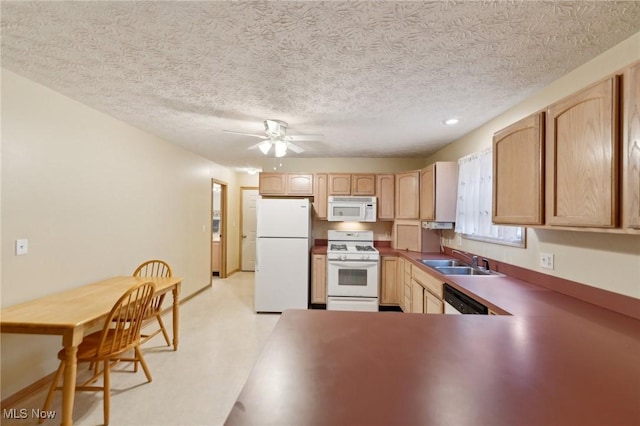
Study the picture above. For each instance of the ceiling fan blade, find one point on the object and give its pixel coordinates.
(245, 134)
(302, 138)
(295, 148)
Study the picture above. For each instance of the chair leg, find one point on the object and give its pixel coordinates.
(143, 363)
(164, 330)
(107, 390)
(54, 385)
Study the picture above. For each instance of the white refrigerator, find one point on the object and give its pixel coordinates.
(283, 244)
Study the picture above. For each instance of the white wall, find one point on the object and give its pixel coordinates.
(95, 197)
(607, 261)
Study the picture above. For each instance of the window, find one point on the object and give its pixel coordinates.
(473, 208)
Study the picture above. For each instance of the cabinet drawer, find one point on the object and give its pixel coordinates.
(407, 268)
(431, 283)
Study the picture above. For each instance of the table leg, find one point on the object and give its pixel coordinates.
(176, 315)
(70, 343)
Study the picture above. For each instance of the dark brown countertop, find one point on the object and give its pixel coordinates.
(387, 368)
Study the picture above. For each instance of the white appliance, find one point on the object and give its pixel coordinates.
(353, 265)
(283, 243)
(352, 209)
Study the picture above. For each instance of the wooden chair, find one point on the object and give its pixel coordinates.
(154, 268)
(121, 333)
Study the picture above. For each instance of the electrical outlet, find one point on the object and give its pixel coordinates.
(546, 260)
(22, 247)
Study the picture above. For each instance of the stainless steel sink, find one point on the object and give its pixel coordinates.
(463, 270)
(435, 263)
(459, 270)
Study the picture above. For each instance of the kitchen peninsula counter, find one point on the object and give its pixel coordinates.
(387, 368)
(551, 359)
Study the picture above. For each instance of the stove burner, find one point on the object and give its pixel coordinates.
(365, 248)
(339, 247)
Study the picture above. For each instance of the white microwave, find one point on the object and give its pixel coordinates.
(352, 209)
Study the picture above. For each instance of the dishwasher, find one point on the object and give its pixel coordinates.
(456, 302)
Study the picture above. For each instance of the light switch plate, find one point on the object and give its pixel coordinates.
(546, 260)
(22, 247)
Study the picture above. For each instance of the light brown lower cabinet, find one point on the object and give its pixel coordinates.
(432, 304)
(400, 282)
(215, 256)
(319, 278)
(388, 275)
(432, 298)
(417, 297)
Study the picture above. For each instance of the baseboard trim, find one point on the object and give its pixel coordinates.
(25, 392)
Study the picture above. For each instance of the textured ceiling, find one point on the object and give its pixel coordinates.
(376, 78)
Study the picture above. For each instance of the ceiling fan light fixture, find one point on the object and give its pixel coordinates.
(264, 147)
(281, 148)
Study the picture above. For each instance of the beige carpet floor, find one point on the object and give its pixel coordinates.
(220, 339)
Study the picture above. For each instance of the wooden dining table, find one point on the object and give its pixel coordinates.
(76, 312)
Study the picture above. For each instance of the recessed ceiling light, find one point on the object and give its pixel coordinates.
(451, 121)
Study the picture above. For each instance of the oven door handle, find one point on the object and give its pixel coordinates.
(352, 263)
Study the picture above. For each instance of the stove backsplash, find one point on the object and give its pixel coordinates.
(381, 230)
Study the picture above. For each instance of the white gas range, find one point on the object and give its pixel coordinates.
(353, 265)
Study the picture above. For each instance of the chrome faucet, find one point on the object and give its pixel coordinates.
(473, 259)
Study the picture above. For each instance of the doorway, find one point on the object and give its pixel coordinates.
(218, 229)
(248, 198)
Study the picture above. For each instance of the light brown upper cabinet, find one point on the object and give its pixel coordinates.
(352, 184)
(518, 154)
(408, 195)
(363, 184)
(320, 195)
(272, 183)
(340, 184)
(284, 184)
(438, 189)
(631, 146)
(385, 192)
(582, 158)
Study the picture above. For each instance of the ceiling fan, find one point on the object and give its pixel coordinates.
(276, 136)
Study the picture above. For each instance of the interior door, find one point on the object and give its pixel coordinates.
(248, 253)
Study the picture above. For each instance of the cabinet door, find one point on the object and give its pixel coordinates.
(339, 184)
(320, 196)
(272, 183)
(388, 281)
(518, 152)
(363, 184)
(582, 158)
(432, 305)
(408, 195)
(385, 191)
(319, 278)
(417, 298)
(427, 193)
(631, 145)
(407, 235)
(400, 283)
(299, 184)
